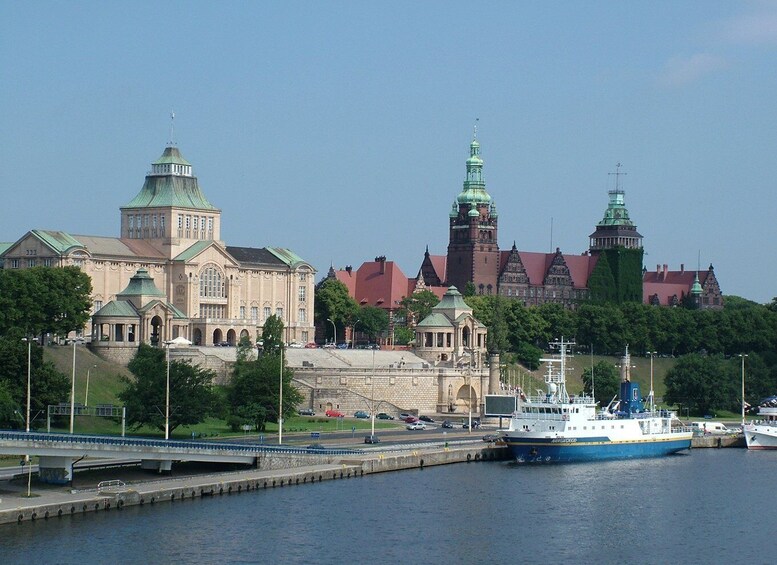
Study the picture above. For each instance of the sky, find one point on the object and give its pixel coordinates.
(340, 129)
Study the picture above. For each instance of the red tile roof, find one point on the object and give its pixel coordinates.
(666, 283)
(376, 283)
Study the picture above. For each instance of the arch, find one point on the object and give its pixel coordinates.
(197, 336)
(156, 330)
(212, 282)
(465, 336)
(244, 334)
(218, 336)
(232, 337)
(466, 397)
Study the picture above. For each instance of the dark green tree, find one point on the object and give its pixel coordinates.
(416, 307)
(469, 289)
(373, 321)
(403, 335)
(703, 384)
(528, 355)
(605, 382)
(333, 302)
(192, 398)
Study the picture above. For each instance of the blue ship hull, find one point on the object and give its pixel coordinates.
(543, 450)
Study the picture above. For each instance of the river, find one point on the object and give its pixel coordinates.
(709, 506)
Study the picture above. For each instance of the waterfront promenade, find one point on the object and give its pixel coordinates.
(123, 487)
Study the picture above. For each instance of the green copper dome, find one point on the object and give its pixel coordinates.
(474, 191)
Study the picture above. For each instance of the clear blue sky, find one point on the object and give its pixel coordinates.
(340, 129)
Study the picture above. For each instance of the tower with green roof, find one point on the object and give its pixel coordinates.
(473, 250)
(617, 276)
(171, 212)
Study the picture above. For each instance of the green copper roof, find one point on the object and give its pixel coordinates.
(474, 191)
(168, 189)
(434, 320)
(616, 213)
(171, 156)
(696, 288)
(286, 255)
(192, 251)
(118, 309)
(57, 240)
(141, 284)
(451, 300)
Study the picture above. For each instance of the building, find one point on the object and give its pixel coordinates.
(170, 250)
(663, 287)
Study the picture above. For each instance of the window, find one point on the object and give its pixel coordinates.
(196, 223)
(14, 263)
(279, 312)
(267, 313)
(97, 305)
(31, 262)
(305, 337)
(301, 294)
(47, 262)
(254, 312)
(302, 315)
(242, 312)
(303, 277)
(211, 283)
(162, 222)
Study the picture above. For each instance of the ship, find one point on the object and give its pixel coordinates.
(762, 433)
(554, 427)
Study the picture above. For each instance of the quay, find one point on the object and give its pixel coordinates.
(58, 502)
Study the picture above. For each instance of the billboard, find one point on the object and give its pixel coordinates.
(500, 405)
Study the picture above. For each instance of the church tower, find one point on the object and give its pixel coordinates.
(473, 251)
(170, 212)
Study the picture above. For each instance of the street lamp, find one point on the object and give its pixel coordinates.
(372, 394)
(742, 356)
(180, 340)
(76, 340)
(86, 396)
(651, 353)
(334, 331)
(280, 401)
(353, 334)
(27, 457)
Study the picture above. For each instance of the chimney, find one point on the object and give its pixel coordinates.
(348, 268)
(666, 268)
(658, 270)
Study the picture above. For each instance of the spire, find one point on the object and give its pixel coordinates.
(171, 143)
(474, 190)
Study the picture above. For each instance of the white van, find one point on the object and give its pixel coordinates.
(710, 428)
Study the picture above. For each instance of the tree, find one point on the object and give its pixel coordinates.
(333, 302)
(374, 321)
(417, 306)
(192, 398)
(703, 384)
(254, 388)
(605, 382)
(403, 335)
(528, 355)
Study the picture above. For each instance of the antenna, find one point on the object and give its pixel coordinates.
(551, 235)
(172, 128)
(617, 174)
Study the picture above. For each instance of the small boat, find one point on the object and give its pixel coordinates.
(552, 427)
(762, 433)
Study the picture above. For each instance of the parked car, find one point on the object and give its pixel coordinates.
(334, 414)
(371, 439)
(342, 346)
(447, 424)
(311, 345)
(403, 415)
(384, 416)
(328, 346)
(295, 345)
(410, 419)
(315, 447)
(361, 414)
(416, 426)
(306, 412)
(426, 419)
(491, 438)
(224, 344)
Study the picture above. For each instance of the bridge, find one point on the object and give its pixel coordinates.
(58, 452)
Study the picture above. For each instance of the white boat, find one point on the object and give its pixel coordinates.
(762, 433)
(552, 427)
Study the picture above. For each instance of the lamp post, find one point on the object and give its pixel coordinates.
(86, 396)
(469, 391)
(651, 353)
(742, 356)
(372, 394)
(334, 331)
(353, 334)
(280, 402)
(27, 457)
(168, 344)
(73, 385)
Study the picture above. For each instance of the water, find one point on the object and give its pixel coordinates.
(709, 506)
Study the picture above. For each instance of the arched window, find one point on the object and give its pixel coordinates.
(211, 283)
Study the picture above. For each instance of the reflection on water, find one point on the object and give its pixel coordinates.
(709, 506)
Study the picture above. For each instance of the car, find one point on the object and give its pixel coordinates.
(328, 346)
(410, 420)
(416, 426)
(306, 412)
(224, 344)
(342, 346)
(371, 439)
(447, 424)
(491, 438)
(334, 414)
(403, 415)
(384, 416)
(475, 424)
(426, 419)
(311, 345)
(315, 447)
(361, 414)
(295, 345)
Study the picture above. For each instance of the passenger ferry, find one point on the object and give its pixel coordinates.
(552, 427)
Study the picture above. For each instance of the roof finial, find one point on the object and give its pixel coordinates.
(617, 174)
(475, 132)
(172, 128)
